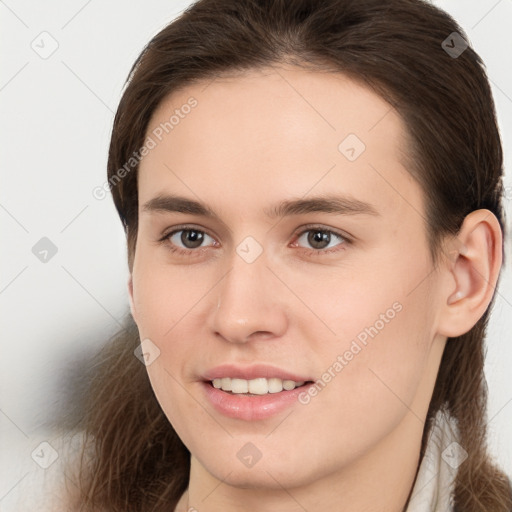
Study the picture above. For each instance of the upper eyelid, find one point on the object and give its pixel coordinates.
(297, 233)
(316, 227)
(185, 227)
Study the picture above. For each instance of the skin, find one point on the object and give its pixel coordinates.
(253, 140)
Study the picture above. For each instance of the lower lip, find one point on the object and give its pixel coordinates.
(252, 408)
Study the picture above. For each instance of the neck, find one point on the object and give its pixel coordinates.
(382, 479)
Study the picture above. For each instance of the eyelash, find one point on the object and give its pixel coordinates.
(310, 252)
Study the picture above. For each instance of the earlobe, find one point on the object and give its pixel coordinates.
(474, 269)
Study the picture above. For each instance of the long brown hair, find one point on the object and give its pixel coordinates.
(395, 47)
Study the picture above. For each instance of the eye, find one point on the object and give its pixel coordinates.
(187, 239)
(321, 240)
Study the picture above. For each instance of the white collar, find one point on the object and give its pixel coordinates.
(433, 487)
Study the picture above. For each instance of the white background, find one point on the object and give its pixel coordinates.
(56, 117)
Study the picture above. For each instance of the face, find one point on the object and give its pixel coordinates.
(306, 260)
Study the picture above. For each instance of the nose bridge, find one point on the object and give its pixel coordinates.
(246, 298)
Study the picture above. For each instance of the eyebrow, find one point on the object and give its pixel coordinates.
(336, 204)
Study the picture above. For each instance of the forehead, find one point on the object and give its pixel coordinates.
(278, 131)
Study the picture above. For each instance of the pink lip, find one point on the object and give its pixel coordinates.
(251, 408)
(252, 372)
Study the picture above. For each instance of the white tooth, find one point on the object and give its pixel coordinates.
(239, 386)
(288, 385)
(226, 383)
(258, 386)
(275, 385)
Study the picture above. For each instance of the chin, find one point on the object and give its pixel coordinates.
(271, 474)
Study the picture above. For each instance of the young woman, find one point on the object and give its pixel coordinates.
(312, 197)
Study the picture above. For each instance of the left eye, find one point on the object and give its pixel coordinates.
(320, 238)
(189, 238)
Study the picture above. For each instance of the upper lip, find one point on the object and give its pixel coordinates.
(253, 371)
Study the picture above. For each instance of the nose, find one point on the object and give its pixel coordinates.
(249, 303)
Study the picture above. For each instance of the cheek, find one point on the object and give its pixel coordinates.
(164, 297)
(372, 368)
(165, 303)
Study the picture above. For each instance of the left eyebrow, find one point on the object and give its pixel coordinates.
(341, 205)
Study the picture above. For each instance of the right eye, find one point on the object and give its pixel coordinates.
(185, 240)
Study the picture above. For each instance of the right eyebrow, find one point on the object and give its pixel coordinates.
(179, 204)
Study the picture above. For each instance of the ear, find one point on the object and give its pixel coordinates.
(130, 297)
(471, 274)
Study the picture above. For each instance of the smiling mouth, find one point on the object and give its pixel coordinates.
(256, 387)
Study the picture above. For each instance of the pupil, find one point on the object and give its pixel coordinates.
(319, 239)
(191, 238)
